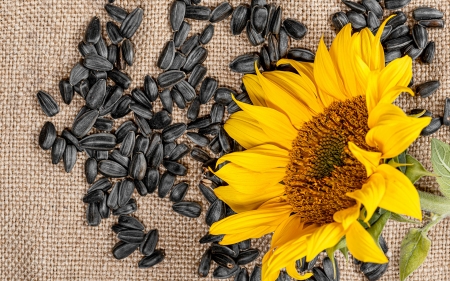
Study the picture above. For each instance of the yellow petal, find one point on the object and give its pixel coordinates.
(339, 54)
(293, 84)
(372, 95)
(385, 114)
(391, 95)
(362, 246)
(401, 196)
(254, 233)
(347, 216)
(369, 159)
(361, 70)
(304, 69)
(325, 76)
(242, 202)
(370, 194)
(275, 124)
(324, 237)
(247, 132)
(396, 73)
(291, 269)
(254, 89)
(279, 99)
(259, 158)
(247, 181)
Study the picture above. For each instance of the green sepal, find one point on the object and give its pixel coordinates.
(415, 170)
(401, 218)
(377, 227)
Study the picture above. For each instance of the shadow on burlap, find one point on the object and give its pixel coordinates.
(44, 235)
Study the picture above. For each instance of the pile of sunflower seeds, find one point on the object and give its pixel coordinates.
(399, 39)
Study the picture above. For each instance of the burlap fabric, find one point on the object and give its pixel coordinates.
(43, 233)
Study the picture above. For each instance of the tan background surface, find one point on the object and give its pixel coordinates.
(43, 233)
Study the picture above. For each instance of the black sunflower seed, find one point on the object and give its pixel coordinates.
(244, 63)
(119, 78)
(207, 192)
(97, 62)
(398, 43)
(175, 168)
(131, 23)
(222, 272)
(167, 55)
(221, 12)
(244, 245)
(66, 90)
(223, 95)
(258, 2)
(214, 145)
(256, 273)
(170, 78)
(209, 238)
(96, 94)
(372, 21)
(201, 122)
(122, 250)
(374, 271)
(224, 260)
(275, 22)
(196, 56)
(392, 55)
(242, 275)
(357, 7)
(127, 145)
(116, 156)
(259, 18)
(141, 110)
(180, 36)
(140, 187)
(156, 257)
(100, 141)
(101, 155)
(247, 256)
(178, 61)
(198, 12)
(198, 139)
(116, 13)
(103, 124)
(439, 23)
(374, 7)
(446, 118)
(160, 120)
(207, 34)
(121, 107)
(300, 54)
(186, 90)
(58, 148)
(130, 223)
(131, 236)
(93, 217)
(82, 88)
(339, 20)
(101, 48)
(189, 45)
(273, 50)
(151, 179)
(205, 264)
(178, 192)
(283, 43)
(420, 36)
(156, 156)
(199, 154)
(413, 52)
(400, 31)
(126, 190)
(395, 4)
(428, 88)
(188, 209)
(428, 52)
(358, 21)
(212, 129)
(148, 246)
(85, 49)
(138, 166)
(178, 98)
(168, 148)
(128, 51)
(90, 170)
(207, 89)
(71, 139)
(294, 29)
(112, 169)
(93, 31)
(216, 212)
(265, 59)
(150, 88)
(239, 19)
(129, 208)
(194, 109)
(69, 157)
(225, 141)
(179, 152)
(154, 142)
(110, 100)
(114, 196)
(217, 112)
(94, 196)
(103, 208)
(117, 228)
(165, 184)
(141, 98)
(120, 63)
(166, 100)
(47, 103)
(254, 37)
(329, 269)
(176, 14)
(173, 132)
(123, 130)
(78, 73)
(47, 136)
(319, 274)
(427, 13)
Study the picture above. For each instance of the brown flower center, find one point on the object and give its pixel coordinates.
(322, 168)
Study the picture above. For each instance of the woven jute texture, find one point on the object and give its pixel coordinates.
(43, 231)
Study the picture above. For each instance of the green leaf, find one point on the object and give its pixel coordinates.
(440, 158)
(399, 161)
(415, 171)
(434, 204)
(344, 251)
(401, 218)
(338, 246)
(376, 229)
(413, 252)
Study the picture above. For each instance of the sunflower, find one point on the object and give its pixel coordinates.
(316, 142)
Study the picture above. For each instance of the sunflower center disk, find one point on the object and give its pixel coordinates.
(322, 168)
